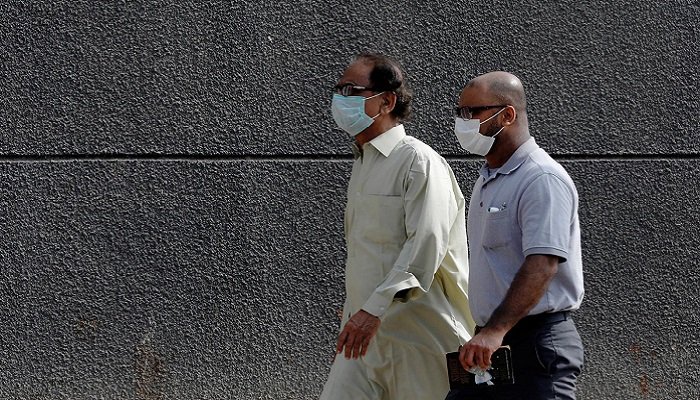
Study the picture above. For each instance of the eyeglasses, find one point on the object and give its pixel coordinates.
(349, 89)
(466, 112)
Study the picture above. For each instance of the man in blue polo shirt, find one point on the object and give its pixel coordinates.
(525, 272)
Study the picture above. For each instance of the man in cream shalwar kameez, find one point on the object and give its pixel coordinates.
(407, 259)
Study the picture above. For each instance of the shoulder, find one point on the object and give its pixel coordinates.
(542, 174)
(540, 163)
(410, 146)
(425, 159)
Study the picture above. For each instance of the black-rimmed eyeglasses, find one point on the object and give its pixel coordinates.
(349, 89)
(466, 112)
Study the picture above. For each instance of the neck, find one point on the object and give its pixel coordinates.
(506, 146)
(379, 126)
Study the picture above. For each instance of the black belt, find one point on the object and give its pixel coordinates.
(537, 320)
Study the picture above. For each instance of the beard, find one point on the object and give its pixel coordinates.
(492, 130)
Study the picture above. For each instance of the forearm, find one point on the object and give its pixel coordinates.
(526, 290)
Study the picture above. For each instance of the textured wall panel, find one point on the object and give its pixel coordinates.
(183, 280)
(250, 77)
(641, 250)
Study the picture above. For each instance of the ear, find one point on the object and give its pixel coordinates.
(509, 115)
(389, 102)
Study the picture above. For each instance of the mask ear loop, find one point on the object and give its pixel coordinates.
(371, 97)
(489, 118)
(499, 131)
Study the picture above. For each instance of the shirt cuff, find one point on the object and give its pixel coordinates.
(377, 304)
(547, 251)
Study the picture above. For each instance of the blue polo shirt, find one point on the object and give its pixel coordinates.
(528, 206)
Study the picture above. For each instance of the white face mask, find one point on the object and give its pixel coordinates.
(467, 131)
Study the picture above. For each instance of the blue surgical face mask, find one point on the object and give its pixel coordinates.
(349, 113)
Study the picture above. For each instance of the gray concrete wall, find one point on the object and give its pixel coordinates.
(172, 183)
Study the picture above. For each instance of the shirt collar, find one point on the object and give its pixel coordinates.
(387, 141)
(515, 160)
(356, 151)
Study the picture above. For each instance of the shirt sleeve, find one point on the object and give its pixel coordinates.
(430, 210)
(545, 214)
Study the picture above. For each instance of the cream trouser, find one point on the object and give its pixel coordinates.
(389, 371)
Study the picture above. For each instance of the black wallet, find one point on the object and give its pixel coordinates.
(501, 370)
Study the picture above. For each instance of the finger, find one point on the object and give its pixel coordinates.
(462, 356)
(484, 359)
(362, 347)
(479, 358)
(467, 357)
(349, 344)
(363, 350)
(476, 359)
(356, 348)
(341, 341)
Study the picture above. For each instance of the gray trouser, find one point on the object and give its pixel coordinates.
(547, 359)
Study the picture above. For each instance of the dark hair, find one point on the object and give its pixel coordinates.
(388, 76)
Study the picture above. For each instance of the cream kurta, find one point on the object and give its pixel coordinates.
(405, 231)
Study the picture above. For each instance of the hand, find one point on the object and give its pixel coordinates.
(357, 333)
(477, 352)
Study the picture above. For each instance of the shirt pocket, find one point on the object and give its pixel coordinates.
(497, 229)
(384, 218)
